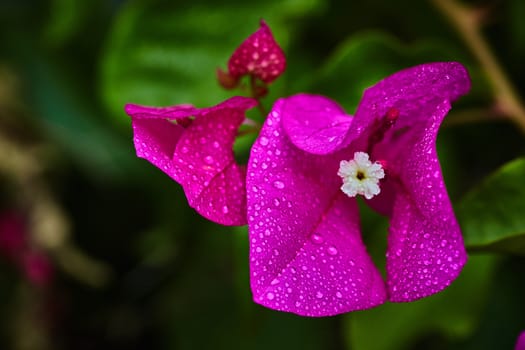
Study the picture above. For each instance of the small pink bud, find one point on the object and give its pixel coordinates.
(260, 91)
(226, 80)
(259, 55)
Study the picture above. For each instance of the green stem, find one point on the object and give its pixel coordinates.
(475, 115)
(466, 21)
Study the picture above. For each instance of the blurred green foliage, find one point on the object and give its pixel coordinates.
(179, 282)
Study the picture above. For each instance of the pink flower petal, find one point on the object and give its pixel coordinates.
(520, 343)
(425, 247)
(315, 124)
(424, 254)
(258, 55)
(408, 90)
(306, 253)
(197, 153)
(426, 251)
(155, 141)
(178, 112)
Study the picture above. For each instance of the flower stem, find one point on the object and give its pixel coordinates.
(467, 23)
(257, 93)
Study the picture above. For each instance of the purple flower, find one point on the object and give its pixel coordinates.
(308, 164)
(520, 343)
(195, 147)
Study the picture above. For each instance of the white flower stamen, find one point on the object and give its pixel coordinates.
(360, 176)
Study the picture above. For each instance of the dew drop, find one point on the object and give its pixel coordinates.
(225, 209)
(317, 238)
(278, 184)
(208, 159)
(339, 295)
(332, 250)
(264, 141)
(274, 282)
(270, 296)
(319, 295)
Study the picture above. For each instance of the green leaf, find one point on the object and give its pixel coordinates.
(66, 19)
(166, 52)
(71, 119)
(492, 215)
(453, 313)
(367, 57)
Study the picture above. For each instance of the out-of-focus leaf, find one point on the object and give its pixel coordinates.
(452, 313)
(367, 57)
(72, 122)
(492, 215)
(502, 318)
(166, 52)
(66, 18)
(516, 8)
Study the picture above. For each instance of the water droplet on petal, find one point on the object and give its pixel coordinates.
(339, 295)
(274, 282)
(208, 159)
(278, 184)
(319, 295)
(264, 141)
(270, 296)
(225, 209)
(317, 238)
(332, 250)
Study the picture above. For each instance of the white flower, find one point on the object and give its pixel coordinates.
(360, 176)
